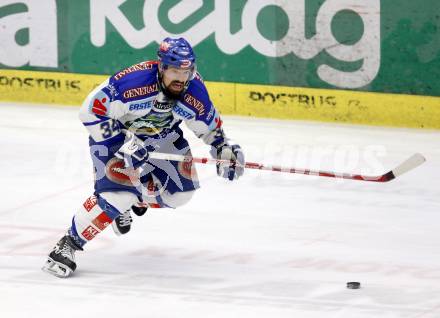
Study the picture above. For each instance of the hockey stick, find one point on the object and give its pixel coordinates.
(409, 164)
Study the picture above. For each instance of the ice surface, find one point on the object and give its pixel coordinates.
(269, 245)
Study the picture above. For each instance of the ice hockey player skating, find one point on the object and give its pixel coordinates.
(133, 113)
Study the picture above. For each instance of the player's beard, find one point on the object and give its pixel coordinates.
(175, 88)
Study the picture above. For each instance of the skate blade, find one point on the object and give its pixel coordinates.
(57, 269)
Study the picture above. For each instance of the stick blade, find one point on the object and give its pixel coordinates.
(411, 163)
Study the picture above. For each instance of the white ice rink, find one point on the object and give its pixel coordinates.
(270, 245)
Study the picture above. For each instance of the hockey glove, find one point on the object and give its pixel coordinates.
(234, 154)
(133, 152)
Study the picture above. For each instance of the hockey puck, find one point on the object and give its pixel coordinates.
(353, 285)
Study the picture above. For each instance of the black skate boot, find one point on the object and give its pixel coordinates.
(122, 224)
(139, 210)
(61, 261)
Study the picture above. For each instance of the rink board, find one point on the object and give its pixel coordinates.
(265, 101)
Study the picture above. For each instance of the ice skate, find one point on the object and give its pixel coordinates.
(61, 261)
(139, 210)
(122, 224)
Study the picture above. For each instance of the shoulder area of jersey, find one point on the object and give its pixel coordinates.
(196, 98)
(197, 84)
(139, 69)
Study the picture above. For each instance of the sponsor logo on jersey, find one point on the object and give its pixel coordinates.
(102, 221)
(194, 102)
(151, 124)
(138, 67)
(181, 112)
(162, 107)
(141, 106)
(89, 233)
(98, 107)
(141, 91)
(90, 203)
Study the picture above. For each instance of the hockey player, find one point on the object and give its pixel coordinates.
(133, 113)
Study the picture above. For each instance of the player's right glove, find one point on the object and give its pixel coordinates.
(133, 151)
(232, 153)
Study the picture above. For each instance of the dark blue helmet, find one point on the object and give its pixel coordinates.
(177, 53)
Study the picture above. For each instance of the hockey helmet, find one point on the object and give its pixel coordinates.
(177, 53)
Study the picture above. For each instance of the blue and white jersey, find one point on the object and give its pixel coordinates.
(131, 99)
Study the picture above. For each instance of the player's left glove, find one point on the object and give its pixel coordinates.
(133, 151)
(232, 153)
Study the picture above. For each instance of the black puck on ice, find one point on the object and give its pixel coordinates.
(353, 285)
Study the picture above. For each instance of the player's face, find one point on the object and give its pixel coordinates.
(174, 79)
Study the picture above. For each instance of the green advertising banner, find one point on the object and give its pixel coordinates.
(388, 46)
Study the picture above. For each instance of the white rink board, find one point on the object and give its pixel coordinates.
(269, 245)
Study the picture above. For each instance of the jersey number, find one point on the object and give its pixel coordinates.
(108, 128)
